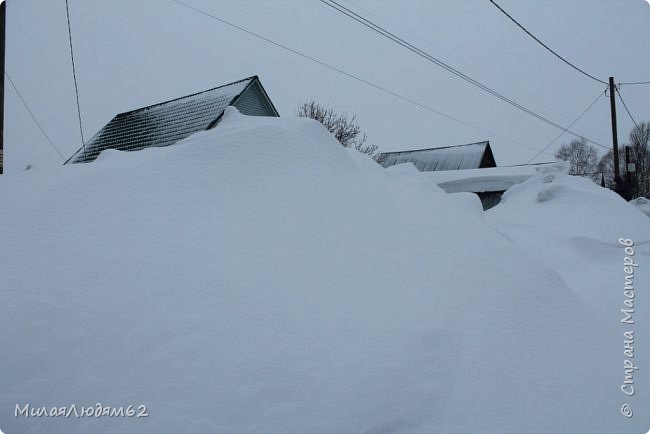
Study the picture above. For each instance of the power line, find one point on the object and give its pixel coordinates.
(347, 74)
(555, 53)
(38, 124)
(378, 29)
(546, 46)
(636, 83)
(450, 54)
(626, 109)
(572, 123)
(74, 76)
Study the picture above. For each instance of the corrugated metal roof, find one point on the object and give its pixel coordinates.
(446, 158)
(165, 123)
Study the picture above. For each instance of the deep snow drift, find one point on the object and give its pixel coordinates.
(643, 204)
(259, 278)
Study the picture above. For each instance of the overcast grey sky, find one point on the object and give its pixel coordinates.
(132, 53)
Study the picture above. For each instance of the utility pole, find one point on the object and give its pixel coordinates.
(3, 13)
(612, 103)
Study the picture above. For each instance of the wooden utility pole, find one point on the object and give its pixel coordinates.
(3, 13)
(612, 103)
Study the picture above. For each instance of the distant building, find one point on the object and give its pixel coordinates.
(169, 122)
(466, 168)
(471, 156)
(490, 183)
(450, 158)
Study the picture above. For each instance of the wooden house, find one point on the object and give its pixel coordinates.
(166, 123)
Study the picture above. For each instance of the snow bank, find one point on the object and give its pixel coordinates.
(643, 204)
(490, 178)
(573, 227)
(259, 278)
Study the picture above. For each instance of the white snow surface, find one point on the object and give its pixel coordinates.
(489, 178)
(260, 278)
(643, 204)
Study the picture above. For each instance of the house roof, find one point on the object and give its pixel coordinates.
(168, 122)
(470, 156)
(491, 179)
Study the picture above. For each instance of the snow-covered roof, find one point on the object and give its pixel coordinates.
(487, 179)
(166, 123)
(471, 156)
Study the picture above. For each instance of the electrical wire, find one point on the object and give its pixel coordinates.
(74, 76)
(378, 29)
(388, 24)
(38, 124)
(626, 109)
(349, 75)
(546, 46)
(572, 123)
(633, 83)
(554, 52)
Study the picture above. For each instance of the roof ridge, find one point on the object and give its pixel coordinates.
(253, 77)
(486, 142)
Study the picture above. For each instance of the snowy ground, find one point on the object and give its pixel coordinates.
(259, 278)
(643, 204)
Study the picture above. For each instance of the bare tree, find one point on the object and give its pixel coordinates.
(639, 155)
(345, 130)
(581, 155)
(640, 150)
(605, 168)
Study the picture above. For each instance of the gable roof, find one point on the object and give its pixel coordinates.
(166, 123)
(470, 156)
